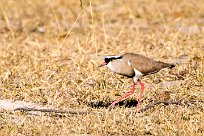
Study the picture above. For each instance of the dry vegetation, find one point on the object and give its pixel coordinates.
(50, 51)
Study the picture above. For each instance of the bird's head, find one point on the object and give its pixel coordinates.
(108, 59)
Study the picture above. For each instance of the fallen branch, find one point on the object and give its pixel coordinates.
(160, 102)
(52, 110)
(180, 102)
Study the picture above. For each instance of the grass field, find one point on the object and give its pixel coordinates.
(50, 51)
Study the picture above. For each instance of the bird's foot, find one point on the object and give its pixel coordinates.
(111, 106)
(138, 107)
(138, 104)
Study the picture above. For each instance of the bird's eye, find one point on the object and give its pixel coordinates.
(107, 60)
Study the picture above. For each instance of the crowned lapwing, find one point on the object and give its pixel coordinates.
(133, 66)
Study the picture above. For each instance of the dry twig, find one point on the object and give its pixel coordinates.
(86, 112)
(160, 102)
(52, 110)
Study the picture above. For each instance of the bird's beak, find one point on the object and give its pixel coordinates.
(103, 64)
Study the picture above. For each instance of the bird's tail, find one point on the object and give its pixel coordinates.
(166, 65)
(172, 66)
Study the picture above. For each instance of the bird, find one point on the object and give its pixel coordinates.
(133, 66)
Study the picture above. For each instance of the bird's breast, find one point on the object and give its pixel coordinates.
(122, 68)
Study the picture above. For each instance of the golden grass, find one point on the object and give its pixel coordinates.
(50, 52)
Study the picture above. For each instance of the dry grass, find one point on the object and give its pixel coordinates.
(50, 52)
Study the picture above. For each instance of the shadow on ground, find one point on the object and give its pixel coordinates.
(106, 103)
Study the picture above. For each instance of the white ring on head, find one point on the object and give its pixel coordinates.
(115, 57)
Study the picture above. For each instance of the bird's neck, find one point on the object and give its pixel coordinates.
(110, 65)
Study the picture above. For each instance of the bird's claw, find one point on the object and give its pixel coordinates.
(111, 106)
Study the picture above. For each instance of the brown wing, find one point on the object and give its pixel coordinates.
(143, 64)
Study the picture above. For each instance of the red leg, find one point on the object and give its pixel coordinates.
(141, 92)
(125, 96)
